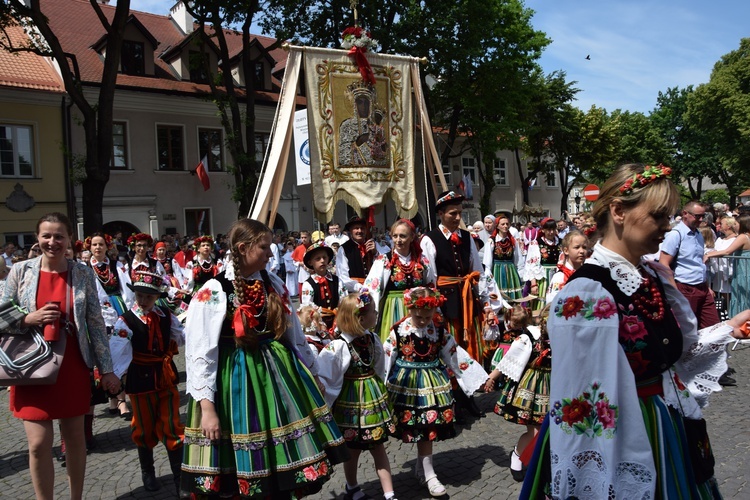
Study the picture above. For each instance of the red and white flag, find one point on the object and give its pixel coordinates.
(202, 171)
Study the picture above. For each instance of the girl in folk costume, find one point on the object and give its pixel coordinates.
(322, 288)
(524, 398)
(316, 331)
(142, 261)
(504, 259)
(631, 370)
(203, 266)
(391, 275)
(115, 297)
(542, 258)
(575, 247)
(420, 356)
(257, 423)
(161, 256)
(351, 369)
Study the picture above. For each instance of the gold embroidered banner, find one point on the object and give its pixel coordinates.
(361, 135)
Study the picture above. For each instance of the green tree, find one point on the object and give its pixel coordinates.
(692, 155)
(721, 110)
(97, 112)
(479, 52)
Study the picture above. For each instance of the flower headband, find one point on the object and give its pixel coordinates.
(431, 301)
(649, 175)
(107, 241)
(364, 299)
(139, 237)
(205, 238)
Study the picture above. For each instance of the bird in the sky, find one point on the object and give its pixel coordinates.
(588, 57)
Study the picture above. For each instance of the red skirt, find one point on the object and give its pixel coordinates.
(70, 396)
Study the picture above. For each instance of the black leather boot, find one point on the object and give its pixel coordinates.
(175, 463)
(148, 474)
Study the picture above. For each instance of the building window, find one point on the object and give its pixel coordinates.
(500, 172)
(469, 168)
(198, 72)
(132, 61)
(259, 76)
(197, 221)
(23, 241)
(447, 174)
(119, 146)
(210, 144)
(261, 144)
(16, 151)
(551, 180)
(170, 144)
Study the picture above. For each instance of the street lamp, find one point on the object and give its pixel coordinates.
(578, 201)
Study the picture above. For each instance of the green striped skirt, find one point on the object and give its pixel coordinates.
(507, 279)
(363, 412)
(278, 435)
(543, 284)
(525, 402)
(391, 312)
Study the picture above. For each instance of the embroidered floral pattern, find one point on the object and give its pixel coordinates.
(590, 414)
(208, 483)
(312, 472)
(591, 309)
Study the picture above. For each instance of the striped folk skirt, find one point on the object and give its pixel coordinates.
(278, 435)
(391, 312)
(422, 401)
(363, 412)
(525, 402)
(507, 279)
(543, 285)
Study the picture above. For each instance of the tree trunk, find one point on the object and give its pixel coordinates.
(524, 184)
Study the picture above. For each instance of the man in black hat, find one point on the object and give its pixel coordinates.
(144, 341)
(456, 262)
(354, 258)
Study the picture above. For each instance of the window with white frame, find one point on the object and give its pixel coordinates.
(500, 172)
(170, 145)
(551, 179)
(197, 221)
(119, 146)
(261, 144)
(16, 150)
(211, 146)
(469, 169)
(446, 173)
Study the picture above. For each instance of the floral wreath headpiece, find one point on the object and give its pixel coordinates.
(107, 241)
(649, 175)
(364, 299)
(431, 301)
(139, 237)
(206, 237)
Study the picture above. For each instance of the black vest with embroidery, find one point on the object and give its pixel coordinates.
(331, 302)
(550, 254)
(452, 260)
(651, 346)
(143, 378)
(112, 284)
(358, 267)
(151, 267)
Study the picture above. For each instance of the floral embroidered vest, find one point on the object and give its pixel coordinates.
(650, 345)
(550, 253)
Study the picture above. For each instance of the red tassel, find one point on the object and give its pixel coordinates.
(365, 70)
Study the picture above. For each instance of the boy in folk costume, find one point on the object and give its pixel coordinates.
(456, 262)
(354, 258)
(322, 288)
(145, 341)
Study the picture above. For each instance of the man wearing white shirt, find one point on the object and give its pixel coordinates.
(355, 256)
(335, 235)
(9, 248)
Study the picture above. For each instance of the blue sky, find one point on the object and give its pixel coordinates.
(637, 47)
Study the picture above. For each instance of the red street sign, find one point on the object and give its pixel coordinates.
(591, 192)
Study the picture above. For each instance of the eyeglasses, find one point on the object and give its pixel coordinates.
(697, 216)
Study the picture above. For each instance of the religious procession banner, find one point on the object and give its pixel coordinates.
(361, 134)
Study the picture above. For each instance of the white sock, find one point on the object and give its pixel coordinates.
(515, 460)
(388, 495)
(427, 468)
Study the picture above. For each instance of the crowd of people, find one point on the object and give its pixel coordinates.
(303, 350)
